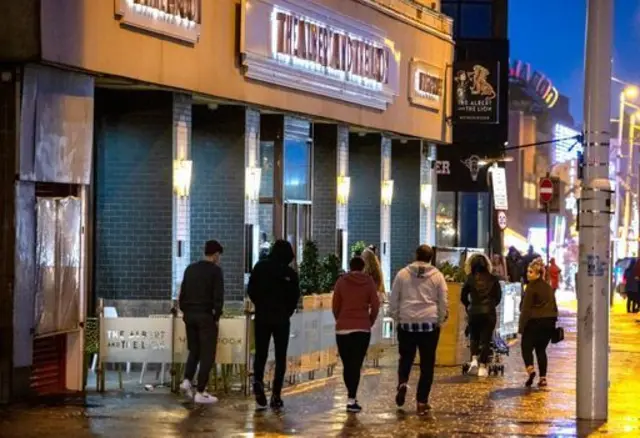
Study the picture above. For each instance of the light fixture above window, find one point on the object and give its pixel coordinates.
(426, 194)
(344, 189)
(252, 183)
(182, 177)
(387, 192)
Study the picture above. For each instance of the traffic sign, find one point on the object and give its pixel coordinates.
(502, 220)
(545, 189)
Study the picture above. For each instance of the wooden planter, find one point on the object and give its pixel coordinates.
(452, 347)
(326, 300)
(311, 302)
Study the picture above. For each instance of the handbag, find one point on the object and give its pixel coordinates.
(558, 335)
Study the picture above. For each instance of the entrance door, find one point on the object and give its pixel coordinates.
(297, 225)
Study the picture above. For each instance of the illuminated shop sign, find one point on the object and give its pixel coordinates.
(301, 45)
(178, 19)
(565, 148)
(536, 81)
(476, 88)
(427, 85)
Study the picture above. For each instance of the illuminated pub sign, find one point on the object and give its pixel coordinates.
(536, 81)
(177, 19)
(427, 85)
(476, 87)
(302, 45)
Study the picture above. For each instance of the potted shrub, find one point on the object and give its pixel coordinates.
(357, 248)
(331, 270)
(310, 271)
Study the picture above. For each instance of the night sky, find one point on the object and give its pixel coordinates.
(550, 34)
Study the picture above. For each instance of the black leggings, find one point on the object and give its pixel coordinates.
(536, 337)
(352, 348)
(632, 302)
(481, 328)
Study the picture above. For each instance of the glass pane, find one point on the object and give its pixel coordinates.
(265, 222)
(445, 219)
(474, 220)
(267, 161)
(296, 170)
(476, 21)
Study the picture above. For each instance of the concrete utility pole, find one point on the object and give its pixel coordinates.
(592, 383)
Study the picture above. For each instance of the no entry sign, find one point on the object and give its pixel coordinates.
(545, 188)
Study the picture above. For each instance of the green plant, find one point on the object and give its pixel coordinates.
(331, 270)
(452, 273)
(357, 248)
(310, 269)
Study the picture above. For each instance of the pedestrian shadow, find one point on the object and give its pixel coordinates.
(507, 393)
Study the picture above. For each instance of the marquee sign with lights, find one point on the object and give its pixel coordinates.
(177, 19)
(540, 84)
(299, 44)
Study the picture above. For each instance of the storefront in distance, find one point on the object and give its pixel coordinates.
(244, 122)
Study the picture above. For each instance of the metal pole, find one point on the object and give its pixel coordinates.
(548, 218)
(618, 153)
(627, 191)
(592, 381)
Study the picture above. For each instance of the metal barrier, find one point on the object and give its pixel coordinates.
(161, 339)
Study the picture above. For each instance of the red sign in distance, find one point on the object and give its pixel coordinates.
(545, 188)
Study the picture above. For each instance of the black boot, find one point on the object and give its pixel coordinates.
(261, 398)
(276, 403)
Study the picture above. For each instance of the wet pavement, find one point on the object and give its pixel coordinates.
(463, 406)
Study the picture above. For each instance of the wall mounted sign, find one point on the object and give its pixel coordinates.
(443, 167)
(499, 186)
(473, 164)
(536, 81)
(178, 19)
(502, 220)
(298, 44)
(476, 88)
(426, 85)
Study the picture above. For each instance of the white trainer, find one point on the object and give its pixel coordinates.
(482, 371)
(473, 366)
(205, 398)
(186, 388)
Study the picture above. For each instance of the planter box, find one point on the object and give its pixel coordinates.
(311, 302)
(452, 347)
(326, 300)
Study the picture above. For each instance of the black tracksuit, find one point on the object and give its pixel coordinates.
(201, 301)
(274, 290)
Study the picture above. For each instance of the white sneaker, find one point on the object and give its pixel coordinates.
(473, 366)
(205, 398)
(186, 388)
(482, 371)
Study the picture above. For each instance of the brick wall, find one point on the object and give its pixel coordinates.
(217, 188)
(133, 194)
(324, 187)
(364, 200)
(405, 211)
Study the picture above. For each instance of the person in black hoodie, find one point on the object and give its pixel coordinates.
(481, 294)
(274, 290)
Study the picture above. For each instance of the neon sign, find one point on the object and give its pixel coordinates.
(179, 19)
(520, 71)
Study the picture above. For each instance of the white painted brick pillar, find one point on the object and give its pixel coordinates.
(252, 159)
(181, 205)
(429, 179)
(385, 214)
(342, 210)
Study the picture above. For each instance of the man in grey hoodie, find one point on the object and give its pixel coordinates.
(418, 305)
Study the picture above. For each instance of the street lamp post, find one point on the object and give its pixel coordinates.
(592, 383)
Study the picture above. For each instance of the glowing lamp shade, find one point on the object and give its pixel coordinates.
(252, 178)
(631, 92)
(387, 192)
(182, 177)
(344, 188)
(426, 194)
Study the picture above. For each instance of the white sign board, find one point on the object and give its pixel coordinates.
(427, 85)
(499, 184)
(136, 340)
(231, 341)
(302, 45)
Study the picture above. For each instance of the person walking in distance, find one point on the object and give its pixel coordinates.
(355, 308)
(274, 290)
(554, 274)
(201, 300)
(418, 304)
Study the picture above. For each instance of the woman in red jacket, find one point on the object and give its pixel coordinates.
(355, 307)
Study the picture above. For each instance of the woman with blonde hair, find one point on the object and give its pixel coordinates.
(538, 317)
(374, 270)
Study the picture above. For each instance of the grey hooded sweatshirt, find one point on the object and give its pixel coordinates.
(419, 295)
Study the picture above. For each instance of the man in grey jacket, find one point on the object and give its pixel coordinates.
(418, 305)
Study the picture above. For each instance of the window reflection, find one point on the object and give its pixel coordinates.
(445, 219)
(297, 170)
(266, 162)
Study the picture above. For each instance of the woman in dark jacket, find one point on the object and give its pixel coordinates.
(481, 294)
(538, 317)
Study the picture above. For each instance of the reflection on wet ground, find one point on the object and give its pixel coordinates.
(463, 406)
